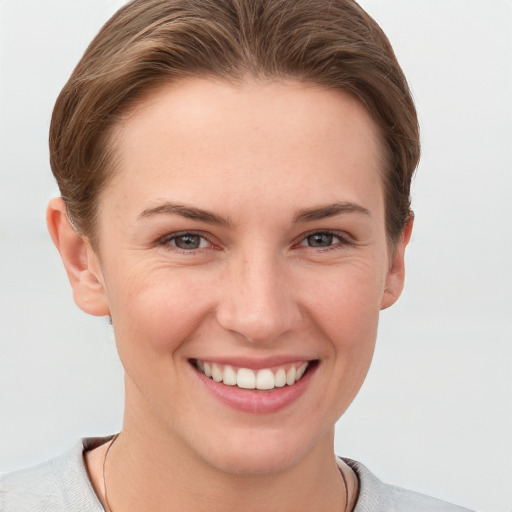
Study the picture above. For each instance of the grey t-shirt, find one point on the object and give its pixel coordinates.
(62, 485)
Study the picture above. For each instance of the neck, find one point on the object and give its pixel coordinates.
(148, 468)
(142, 476)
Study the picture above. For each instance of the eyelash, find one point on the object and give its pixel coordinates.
(168, 239)
(343, 241)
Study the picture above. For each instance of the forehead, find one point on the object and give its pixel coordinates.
(252, 104)
(200, 132)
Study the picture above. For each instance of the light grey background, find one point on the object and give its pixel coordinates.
(435, 413)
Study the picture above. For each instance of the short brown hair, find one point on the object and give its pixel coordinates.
(332, 43)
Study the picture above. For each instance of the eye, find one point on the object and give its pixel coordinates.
(186, 241)
(322, 240)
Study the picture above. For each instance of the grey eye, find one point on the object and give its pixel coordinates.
(188, 242)
(320, 239)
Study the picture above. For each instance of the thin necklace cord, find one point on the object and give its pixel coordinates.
(114, 439)
(109, 508)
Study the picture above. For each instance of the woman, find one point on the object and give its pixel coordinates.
(235, 197)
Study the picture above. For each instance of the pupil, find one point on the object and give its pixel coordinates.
(188, 241)
(320, 240)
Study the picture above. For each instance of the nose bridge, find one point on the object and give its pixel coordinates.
(258, 300)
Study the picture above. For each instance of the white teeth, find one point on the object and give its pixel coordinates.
(245, 378)
(280, 378)
(290, 376)
(229, 376)
(300, 371)
(216, 373)
(265, 379)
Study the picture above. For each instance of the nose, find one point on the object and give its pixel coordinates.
(257, 299)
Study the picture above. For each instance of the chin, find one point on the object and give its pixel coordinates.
(255, 462)
(260, 453)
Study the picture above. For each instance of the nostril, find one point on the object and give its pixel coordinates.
(258, 326)
(257, 303)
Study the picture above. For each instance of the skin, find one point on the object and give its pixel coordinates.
(256, 154)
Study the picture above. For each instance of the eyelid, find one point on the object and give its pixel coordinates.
(344, 239)
(164, 240)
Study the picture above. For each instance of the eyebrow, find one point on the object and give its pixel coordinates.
(189, 212)
(329, 210)
(306, 215)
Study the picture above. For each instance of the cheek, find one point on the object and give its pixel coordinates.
(346, 301)
(345, 309)
(153, 315)
(351, 327)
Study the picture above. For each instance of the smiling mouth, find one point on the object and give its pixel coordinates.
(264, 379)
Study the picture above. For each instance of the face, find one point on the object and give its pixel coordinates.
(242, 257)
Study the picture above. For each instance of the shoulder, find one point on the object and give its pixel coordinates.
(60, 484)
(376, 496)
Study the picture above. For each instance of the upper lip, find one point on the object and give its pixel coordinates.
(255, 363)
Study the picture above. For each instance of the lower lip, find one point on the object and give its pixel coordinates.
(256, 401)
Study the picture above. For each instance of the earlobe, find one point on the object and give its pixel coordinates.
(395, 277)
(80, 261)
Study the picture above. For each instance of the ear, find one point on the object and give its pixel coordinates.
(396, 272)
(80, 261)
